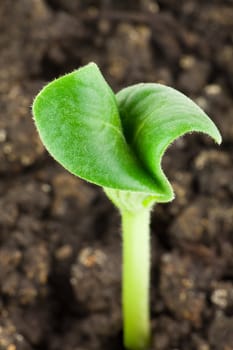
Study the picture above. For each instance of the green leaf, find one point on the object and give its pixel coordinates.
(153, 116)
(78, 120)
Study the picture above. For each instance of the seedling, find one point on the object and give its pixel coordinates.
(117, 142)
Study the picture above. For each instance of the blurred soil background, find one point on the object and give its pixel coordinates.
(60, 244)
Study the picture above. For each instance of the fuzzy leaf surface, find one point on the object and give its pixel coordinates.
(79, 123)
(153, 116)
(115, 142)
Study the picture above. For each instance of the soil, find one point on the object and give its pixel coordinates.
(60, 244)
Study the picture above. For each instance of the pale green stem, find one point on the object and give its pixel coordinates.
(136, 278)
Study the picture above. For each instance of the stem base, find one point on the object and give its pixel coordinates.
(136, 266)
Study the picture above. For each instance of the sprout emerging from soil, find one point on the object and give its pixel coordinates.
(117, 142)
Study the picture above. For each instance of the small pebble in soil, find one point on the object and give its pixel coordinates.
(222, 295)
(3, 135)
(213, 89)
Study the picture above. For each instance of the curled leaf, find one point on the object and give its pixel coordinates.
(153, 116)
(115, 142)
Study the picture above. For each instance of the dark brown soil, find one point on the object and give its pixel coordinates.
(60, 244)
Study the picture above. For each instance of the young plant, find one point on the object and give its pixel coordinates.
(117, 142)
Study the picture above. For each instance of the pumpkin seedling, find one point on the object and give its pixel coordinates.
(117, 142)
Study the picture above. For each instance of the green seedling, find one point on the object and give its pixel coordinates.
(117, 142)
